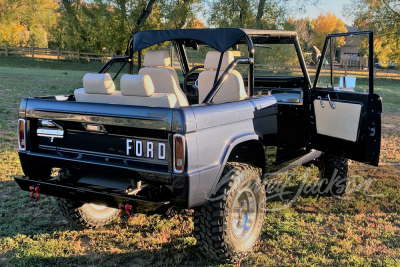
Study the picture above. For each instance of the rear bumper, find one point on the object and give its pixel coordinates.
(87, 193)
(179, 183)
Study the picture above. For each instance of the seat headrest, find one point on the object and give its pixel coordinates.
(212, 60)
(157, 58)
(136, 85)
(98, 83)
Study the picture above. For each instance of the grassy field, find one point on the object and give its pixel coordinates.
(361, 231)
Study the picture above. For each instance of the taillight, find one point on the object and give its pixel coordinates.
(179, 153)
(21, 134)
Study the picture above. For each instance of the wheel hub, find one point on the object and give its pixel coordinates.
(244, 213)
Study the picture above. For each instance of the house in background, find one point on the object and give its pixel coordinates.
(349, 53)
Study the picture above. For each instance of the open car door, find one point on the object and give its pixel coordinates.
(346, 120)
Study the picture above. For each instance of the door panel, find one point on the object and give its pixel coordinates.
(344, 122)
(354, 132)
(337, 119)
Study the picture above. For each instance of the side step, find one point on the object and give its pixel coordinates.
(85, 193)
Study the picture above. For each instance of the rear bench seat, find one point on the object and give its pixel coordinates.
(136, 90)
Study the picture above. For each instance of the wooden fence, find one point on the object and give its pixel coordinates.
(58, 54)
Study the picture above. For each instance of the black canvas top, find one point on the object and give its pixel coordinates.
(221, 39)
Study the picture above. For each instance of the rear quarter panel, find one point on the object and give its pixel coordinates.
(220, 127)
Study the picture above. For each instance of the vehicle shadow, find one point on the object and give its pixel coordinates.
(149, 257)
(37, 234)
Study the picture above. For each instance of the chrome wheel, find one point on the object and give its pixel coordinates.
(244, 213)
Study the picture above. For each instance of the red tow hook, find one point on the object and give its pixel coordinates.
(125, 207)
(35, 189)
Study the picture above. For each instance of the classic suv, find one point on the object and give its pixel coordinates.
(208, 141)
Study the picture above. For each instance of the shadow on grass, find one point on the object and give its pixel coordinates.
(165, 256)
(36, 234)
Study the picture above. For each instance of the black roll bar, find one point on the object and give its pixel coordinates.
(181, 51)
(250, 78)
(112, 61)
(224, 76)
(218, 68)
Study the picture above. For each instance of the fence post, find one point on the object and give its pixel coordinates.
(33, 51)
(79, 55)
(6, 52)
(58, 53)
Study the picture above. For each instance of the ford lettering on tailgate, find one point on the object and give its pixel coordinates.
(146, 149)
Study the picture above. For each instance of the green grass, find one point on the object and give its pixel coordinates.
(387, 88)
(363, 231)
(26, 62)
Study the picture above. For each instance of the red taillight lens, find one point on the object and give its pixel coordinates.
(179, 151)
(21, 134)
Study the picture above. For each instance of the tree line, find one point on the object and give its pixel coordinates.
(105, 26)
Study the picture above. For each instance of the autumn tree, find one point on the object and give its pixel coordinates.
(382, 16)
(26, 22)
(327, 24)
(303, 27)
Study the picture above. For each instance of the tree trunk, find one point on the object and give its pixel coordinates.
(260, 13)
(145, 14)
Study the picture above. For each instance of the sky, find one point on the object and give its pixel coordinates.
(333, 6)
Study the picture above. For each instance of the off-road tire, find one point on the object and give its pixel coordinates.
(334, 170)
(84, 215)
(212, 222)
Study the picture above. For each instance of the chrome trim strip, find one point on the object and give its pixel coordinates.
(50, 133)
(184, 150)
(49, 124)
(19, 140)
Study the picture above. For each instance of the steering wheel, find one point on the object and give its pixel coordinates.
(195, 83)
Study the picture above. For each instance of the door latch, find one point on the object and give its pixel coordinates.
(320, 101)
(331, 103)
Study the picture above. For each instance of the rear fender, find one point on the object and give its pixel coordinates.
(237, 140)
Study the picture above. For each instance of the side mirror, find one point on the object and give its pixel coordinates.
(347, 82)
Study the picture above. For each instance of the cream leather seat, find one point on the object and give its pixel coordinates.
(157, 65)
(232, 89)
(136, 90)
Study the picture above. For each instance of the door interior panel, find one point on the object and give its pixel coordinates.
(361, 140)
(341, 120)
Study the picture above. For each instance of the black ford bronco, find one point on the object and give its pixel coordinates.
(207, 142)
